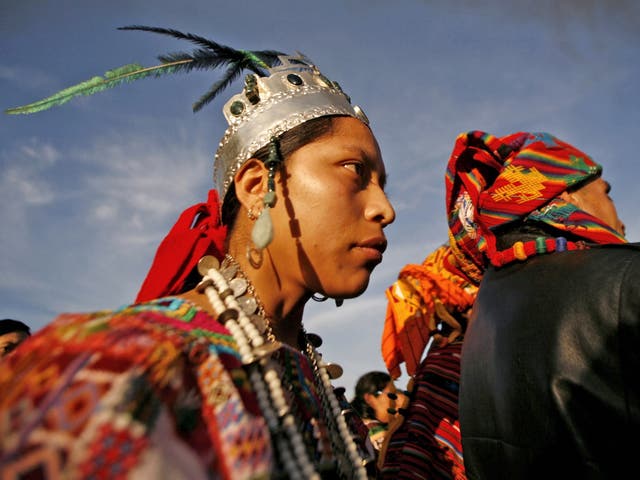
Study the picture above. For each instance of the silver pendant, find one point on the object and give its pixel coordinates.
(206, 263)
(314, 339)
(239, 286)
(229, 272)
(333, 370)
(266, 349)
(248, 304)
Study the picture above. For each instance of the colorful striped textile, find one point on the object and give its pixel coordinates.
(427, 444)
(430, 301)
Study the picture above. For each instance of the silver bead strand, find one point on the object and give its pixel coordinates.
(247, 335)
(339, 423)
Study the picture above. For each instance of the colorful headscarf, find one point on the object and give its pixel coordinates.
(423, 296)
(493, 181)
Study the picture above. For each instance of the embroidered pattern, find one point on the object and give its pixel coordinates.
(523, 185)
(146, 390)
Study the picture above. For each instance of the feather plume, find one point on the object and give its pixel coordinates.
(112, 78)
(209, 56)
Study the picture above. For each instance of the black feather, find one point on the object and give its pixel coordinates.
(203, 42)
(212, 55)
(229, 76)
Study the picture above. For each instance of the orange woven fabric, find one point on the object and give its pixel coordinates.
(423, 296)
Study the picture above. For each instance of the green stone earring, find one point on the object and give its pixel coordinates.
(262, 233)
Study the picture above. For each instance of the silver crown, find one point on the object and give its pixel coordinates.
(294, 92)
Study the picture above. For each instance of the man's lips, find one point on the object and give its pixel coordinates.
(373, 248)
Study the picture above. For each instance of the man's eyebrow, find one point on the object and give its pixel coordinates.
(607, 187)
(372, 165)
(383, 180)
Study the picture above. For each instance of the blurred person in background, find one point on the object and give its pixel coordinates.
(12, 333)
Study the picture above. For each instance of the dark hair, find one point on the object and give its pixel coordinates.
(289, 141)
(8, 325)
(370, 382)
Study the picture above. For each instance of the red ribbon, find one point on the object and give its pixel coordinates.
(197, 232)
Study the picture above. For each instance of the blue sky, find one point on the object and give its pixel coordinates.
(89, 189)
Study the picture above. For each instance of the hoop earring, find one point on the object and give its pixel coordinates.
(254, 256)
(318, 297)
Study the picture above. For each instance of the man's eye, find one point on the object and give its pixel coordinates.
(357, 167)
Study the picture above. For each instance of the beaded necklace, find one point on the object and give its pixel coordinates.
(541, 245)
(237, 307)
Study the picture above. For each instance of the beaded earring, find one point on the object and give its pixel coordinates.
(262, 232)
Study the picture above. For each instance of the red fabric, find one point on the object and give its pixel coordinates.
(197, 232)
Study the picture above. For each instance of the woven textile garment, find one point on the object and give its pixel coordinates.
(426, 444)
(153, 390)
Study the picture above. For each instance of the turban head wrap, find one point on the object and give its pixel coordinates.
(491, 182)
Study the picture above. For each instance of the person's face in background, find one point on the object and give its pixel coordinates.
(9, 341)
(381, 401)
(594, 199)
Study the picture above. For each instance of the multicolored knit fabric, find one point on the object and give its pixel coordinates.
(493, 181)
(153, 390)
(417, 302)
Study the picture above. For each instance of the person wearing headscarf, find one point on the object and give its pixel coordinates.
(549, 363)
(210, 373)
(427, 314)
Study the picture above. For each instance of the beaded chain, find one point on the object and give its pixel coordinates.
(524, 250)
(235, 302)
(338, 429)
(234, 271)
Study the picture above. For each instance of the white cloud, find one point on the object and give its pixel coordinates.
(26, 77)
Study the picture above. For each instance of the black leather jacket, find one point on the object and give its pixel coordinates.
(550, 382)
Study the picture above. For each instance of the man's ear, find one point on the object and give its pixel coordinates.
(570, 198)
(251, 182)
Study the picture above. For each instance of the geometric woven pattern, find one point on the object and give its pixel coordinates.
(145, 391)
(524, 184)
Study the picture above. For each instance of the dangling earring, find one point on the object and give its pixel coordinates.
(262, 232)
(317, 297)
(321, 298)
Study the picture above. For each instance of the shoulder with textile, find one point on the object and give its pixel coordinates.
(128, 384)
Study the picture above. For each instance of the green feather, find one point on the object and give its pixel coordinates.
(112, 78)
(209, 56)
(252, 57)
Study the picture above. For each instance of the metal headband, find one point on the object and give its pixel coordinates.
(292, 94)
